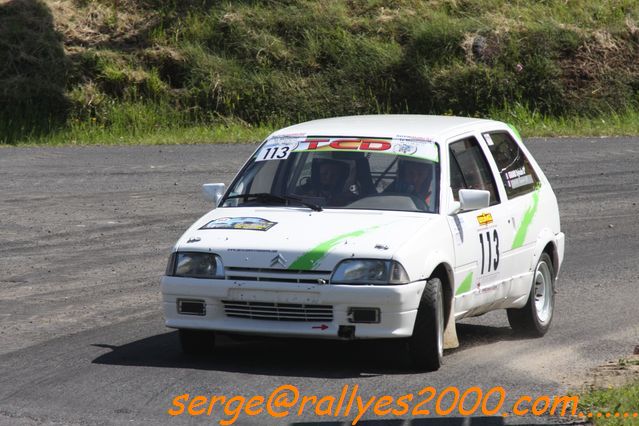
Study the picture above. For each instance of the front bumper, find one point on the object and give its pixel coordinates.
(397, 304)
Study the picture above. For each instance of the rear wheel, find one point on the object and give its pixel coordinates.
(535, 317)
(197, 342)
(426, 345)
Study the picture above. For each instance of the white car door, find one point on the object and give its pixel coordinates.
(480, 235)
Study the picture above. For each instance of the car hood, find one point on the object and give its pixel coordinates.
(299, 239)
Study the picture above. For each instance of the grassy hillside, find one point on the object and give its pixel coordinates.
(133, 69)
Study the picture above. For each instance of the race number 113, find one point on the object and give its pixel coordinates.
(274, 152)
(489, 250)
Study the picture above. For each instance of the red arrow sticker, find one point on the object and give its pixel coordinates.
(321, 327)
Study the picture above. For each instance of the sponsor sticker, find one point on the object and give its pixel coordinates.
(413, 146)
(485, 219)
(520, 181)
(518, 177)
(488, 139)
(457, 225)
(245, 223)
(280, 147)
(405, 148)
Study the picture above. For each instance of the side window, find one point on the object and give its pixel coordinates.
(258, 177)
(470, 170)
(514, 168)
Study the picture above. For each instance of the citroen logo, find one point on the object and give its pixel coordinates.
(279, 259)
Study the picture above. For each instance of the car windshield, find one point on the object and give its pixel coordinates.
(347, 173)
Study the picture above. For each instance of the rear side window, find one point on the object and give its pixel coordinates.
(514, 168)
(470, 170)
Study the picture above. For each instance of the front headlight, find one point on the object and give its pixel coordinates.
(369, 271)
(196, 265)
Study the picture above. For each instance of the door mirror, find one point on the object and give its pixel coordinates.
(213, 192)
(473, 199)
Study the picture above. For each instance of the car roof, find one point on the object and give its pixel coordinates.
(436, 127)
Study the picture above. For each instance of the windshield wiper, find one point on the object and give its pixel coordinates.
(265, 196)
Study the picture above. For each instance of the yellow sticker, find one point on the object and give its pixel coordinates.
(485, 219)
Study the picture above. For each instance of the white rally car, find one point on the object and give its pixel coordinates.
(371, 227)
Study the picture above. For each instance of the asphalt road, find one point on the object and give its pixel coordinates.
(85, 234)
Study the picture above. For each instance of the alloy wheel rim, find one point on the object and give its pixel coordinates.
(543, 293)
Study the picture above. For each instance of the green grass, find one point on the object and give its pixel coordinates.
(621, 400)
(94, 135)
(140, 69)
(529, 124)
(229, 131)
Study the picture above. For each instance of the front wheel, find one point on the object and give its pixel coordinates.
(535, 317)
(426, 345)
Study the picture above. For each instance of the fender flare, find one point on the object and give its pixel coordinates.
(438, 263)
(546, 236)
(436, 258)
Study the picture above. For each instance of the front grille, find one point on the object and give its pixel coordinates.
(278, 311)
(277, 275)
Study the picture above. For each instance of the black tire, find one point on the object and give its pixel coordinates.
(535, 317)
(426, 345)
(197, 342)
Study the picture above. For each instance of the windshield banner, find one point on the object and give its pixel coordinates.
(280, 147)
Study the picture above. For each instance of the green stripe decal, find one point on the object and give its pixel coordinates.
(464, 287)
(515, 131)
(520, 236)
(312, 258)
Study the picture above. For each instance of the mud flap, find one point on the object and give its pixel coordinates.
(450, 333)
